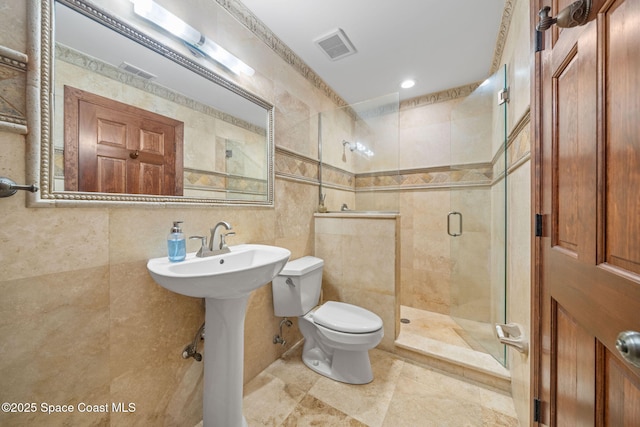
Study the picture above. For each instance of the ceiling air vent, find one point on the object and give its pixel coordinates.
(137, 71)
(336, 45)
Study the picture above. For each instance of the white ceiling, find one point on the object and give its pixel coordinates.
(440, 43)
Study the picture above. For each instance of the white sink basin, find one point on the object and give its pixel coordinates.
(231, 275)
(225, 282)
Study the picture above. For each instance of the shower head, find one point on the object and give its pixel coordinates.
(351, 145)
(358, 147)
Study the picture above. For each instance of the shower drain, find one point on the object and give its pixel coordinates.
(404, 320)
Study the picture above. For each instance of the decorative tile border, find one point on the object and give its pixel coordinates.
(224, 183)
(519, 145)
(204, 180)
(425, 178)
(291, 165)
(13, 67)
(507, 14)
(338, 178)
(442, 96)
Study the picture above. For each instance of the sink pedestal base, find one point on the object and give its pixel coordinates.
(224, 362)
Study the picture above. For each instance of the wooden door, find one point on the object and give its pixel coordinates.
(588, 185)
(111, 147)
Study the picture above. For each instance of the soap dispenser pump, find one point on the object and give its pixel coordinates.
(176, 243)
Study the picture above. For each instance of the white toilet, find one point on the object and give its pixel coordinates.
(337, 336)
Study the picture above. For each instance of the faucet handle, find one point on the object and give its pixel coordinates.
(203, 247)
(223, 236)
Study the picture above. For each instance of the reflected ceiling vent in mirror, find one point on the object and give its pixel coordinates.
(137, 71)
(336, 45)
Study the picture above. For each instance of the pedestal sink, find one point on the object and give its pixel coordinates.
(225, 281)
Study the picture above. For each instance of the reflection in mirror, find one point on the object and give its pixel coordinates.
(137, 118)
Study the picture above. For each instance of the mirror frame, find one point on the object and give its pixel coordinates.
(41, 51)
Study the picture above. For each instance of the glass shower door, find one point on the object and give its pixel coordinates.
(476, 223)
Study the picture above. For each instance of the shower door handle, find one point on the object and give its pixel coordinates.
(449, 224)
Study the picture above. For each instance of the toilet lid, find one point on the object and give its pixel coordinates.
(343, 317)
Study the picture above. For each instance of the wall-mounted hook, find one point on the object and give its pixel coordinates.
(9, 188)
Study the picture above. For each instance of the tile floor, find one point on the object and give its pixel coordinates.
(402, 393)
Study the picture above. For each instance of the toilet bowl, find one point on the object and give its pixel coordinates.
(338, 336)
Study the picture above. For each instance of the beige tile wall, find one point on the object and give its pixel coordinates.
(361, 258)
(425, 248)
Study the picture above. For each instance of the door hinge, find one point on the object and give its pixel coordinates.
(503, 96)
(538, 225)
(539, 41)
(536, 410)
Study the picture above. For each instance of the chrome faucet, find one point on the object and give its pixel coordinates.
(216, 246)
(220, 244)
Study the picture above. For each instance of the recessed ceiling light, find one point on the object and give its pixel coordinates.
(407, 84)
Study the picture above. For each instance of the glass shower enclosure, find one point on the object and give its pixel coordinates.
(357, 148)
(476, 223)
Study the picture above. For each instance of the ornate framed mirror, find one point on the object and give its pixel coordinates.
(221, 145)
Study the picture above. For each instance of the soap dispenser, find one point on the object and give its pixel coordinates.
(176, 243)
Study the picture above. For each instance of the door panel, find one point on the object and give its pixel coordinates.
(575, 388)
(623, 395)
(567, 183)
(589, 254)
(622, 158)
(103, 148)
(111, 174)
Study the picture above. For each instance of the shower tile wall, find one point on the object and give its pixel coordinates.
(361, 258)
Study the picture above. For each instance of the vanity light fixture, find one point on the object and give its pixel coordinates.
(195, 41)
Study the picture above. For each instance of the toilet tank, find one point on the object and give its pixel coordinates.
(296, 290)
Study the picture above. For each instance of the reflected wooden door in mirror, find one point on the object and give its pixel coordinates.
(112, 147)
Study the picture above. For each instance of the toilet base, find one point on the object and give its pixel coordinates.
(351, 367)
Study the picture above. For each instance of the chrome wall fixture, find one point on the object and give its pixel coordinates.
(577, 13)
(453, 233)
(191, 350)
(357, 147)
(279, 339)
(9, 188)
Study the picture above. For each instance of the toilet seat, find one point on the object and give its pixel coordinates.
(348, 318)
